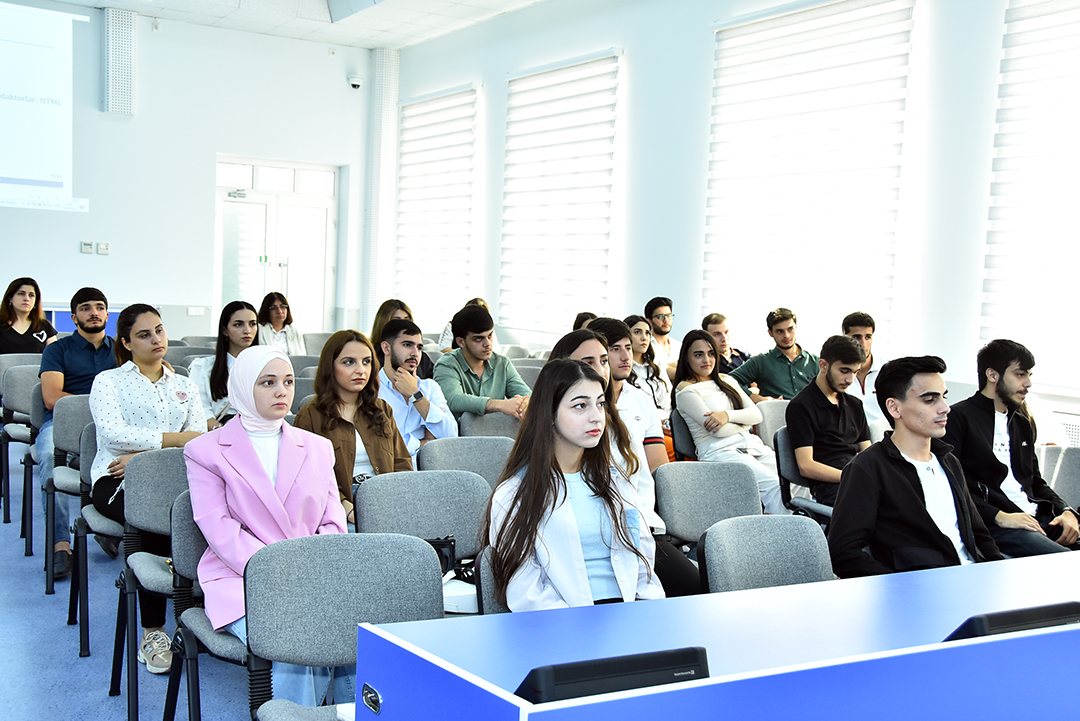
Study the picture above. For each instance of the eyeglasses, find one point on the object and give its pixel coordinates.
(279, 307)
(664, 316)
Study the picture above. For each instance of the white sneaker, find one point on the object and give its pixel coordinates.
(155, 650)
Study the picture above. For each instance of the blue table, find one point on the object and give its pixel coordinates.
(761, 644)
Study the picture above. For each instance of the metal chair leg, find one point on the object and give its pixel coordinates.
(50, 534)
(118, 644)
(28, 503)
(5, 477)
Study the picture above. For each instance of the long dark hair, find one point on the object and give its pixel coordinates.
(219, 374)
(124, 323)
(648, 359)
(564, 348)
(264, 309)
(328, 401)
(8, 316)
(543, 485)
(683, 371)
(382, 317)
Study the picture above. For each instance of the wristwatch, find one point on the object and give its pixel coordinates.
(417, 397)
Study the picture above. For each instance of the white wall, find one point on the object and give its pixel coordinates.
(150, 177)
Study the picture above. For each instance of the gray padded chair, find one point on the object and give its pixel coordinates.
(764, 551)
(520, 363)
(300, 362)
(773, 418)
(878, 429)
(16, 386)
(433, 355)
(1066, 475)
(153, 480)
(202, 341)
(302, 388)
(314, 342)
(484, 455)
(182, 355)
(71, 414)
(529, 374)
(691, 497)
(513, 351)
(681, 438)
(305, 596)
(194, 632)
(788, 470)
(425, 504)
(486, 603)
(89, 521)
(178, 343)
(1048, 459)
(308, 372)
(489, 424)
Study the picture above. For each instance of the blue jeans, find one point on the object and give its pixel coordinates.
(62, 518)
(305, 685)
(1017, 542)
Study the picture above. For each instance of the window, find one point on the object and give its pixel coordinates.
(435, 248)
(557, 195)
(805, 163)
(1032, 245)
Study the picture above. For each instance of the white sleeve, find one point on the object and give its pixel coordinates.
(440, 421)
(114, 432)
(529, 588)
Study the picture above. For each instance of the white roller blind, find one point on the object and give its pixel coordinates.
(804, 161)
(435, 241)
(557, 195)
(1033, 243)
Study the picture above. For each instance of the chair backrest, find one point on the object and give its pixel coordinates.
(878, 429)
(152, 482)
(314, 342)
(773, 417)
(1048, 460)
(300, 362)
(520, 363)
(37, 407)
(433, 354)
(484, 455)
(786, 465)
(1066, 478)
(308, 372)
(18, 388)
(70, 416)
(515, 351)
(188, 544)
(202, 341)
(182, 355)
(10, 360)
(489, 424)
(764, 551)
(681, 437)
(486, 603)
(302, 388)
(87, 451)
(305, 596)
(181, 370)
(425, 504)
(529, 374)
(178, 343)
(691, 497)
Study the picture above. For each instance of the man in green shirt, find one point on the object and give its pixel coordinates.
(474, 378)
(783, 371)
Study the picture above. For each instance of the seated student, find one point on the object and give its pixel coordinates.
(23, 328)
(392, 310)
(995, 443)
(140, 406)
(473, 377)
(648, 376)
(256, 481)
(582, 319)
(564, 522)
(419, 406)
(905, 498)
(826, 426)
(446, 340)
(347, 410)
(730, 357)
(860, 327)
(276, 326)
(665, 348)
(238, 328)
(721, 417)
(783, 371)
(629, 433)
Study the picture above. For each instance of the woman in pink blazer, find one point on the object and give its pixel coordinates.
(255, 481)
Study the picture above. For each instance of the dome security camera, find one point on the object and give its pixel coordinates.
(355, 81)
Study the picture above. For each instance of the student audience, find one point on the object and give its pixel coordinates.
(276, 326)
(68, 367)
(23, 328)
(238, 328)
(256, 481)
(783, 371)
(564, 522)
(347, 410)
(139, 406)
(720, 417)
(826, 426)
(394, 309)
(419, 407)
(860, 327)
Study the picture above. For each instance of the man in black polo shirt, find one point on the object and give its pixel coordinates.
(826, 426)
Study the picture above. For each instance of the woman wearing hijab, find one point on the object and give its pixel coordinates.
(255, 481)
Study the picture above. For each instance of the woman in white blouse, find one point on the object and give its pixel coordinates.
(139, 406)
(647, 375)
(720, 417)
(238, 328)
(276, 326)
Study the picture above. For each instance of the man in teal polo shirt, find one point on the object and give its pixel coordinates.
(474, 378)
(783, 371)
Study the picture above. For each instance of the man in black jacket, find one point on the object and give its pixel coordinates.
(995, 442)
(905, 498)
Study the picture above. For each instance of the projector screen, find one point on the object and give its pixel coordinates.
(35, 109)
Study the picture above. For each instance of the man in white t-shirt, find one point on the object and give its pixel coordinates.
(995, 442)
(905, 498)
(665, 348)
(860, 327)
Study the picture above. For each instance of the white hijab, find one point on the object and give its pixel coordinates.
(242, 377)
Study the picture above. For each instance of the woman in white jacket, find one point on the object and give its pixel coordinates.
(276, 326)
(564, 523)
(720, 417)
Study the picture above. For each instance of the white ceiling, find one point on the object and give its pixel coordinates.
(384, 24)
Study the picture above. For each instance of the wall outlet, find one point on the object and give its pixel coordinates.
(196, 310)
(102, 248)
(86, 247)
